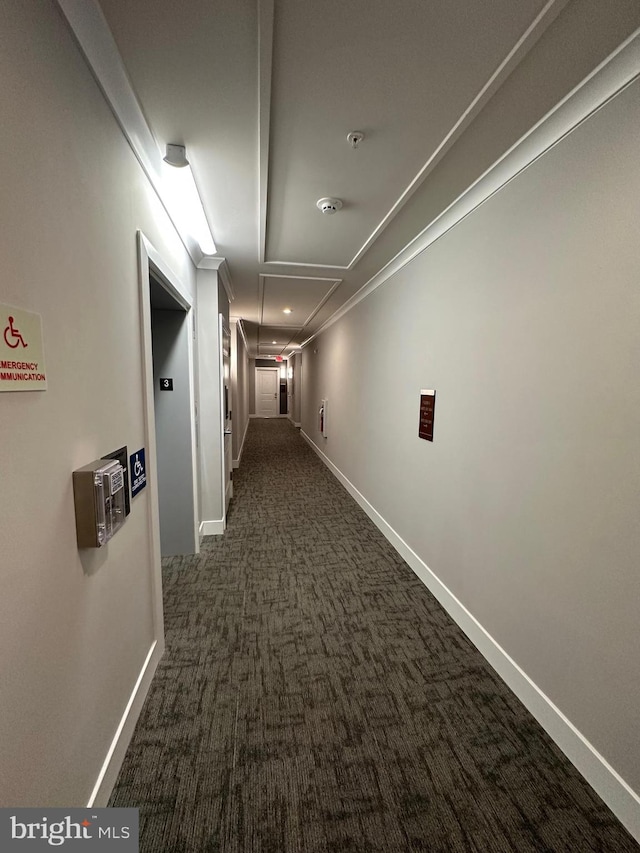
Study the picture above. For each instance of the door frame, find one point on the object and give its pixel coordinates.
(150, 259)
(224, 334)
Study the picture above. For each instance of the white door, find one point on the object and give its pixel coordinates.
(267, 387)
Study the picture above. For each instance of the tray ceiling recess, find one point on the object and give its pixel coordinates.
(357, 102)
(410, 79)
(288, 304)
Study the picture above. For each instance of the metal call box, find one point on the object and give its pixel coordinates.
(99, 497)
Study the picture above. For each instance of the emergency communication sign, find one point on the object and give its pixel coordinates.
(138, 472)
(22, 365)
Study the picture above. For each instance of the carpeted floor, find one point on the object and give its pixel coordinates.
(315, 698)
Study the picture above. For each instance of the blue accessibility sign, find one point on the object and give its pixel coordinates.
(138, 472)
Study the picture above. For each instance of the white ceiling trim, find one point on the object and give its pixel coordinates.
(614, 74)
(303, 277)
(240, 327)
(322, 303)
(336, 283)
(219, 264)
(91, 31)
(265, 60)
(266, 348)
(304, 265)
(531, 35)
(270, 330)
(226, 281)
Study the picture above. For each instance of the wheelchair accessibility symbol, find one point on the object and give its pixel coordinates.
(12, 336)
(138, 469)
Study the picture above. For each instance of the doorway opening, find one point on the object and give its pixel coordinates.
(167, 325)
(173, 407)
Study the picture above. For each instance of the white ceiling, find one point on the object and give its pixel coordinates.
(264, 92)
(403, 73)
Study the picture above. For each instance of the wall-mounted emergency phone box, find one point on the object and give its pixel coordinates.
(99, 497)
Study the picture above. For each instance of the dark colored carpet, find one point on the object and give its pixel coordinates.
(315, 697)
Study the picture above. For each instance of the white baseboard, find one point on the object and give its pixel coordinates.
(212, 528)
(236, 462)
(115, 756)
(623, 801)
(295, 423)
(268, 417)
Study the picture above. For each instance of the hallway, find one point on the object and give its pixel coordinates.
(315, 697)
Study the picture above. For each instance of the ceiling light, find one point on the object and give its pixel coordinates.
(286, 310)
(274, 342)
(184, 199)
(329, 205)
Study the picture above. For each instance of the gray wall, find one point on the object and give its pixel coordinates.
(524, 318)
(223, 300)
(295, 386)
(240, 391)
(75, 627)
(252, 386)
(210, 424)
(173, 432)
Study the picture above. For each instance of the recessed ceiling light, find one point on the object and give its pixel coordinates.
(274, 342)
(286, 310)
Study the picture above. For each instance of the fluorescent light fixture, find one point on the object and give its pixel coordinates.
(184, 199)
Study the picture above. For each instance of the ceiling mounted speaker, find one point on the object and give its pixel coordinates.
(329, 205)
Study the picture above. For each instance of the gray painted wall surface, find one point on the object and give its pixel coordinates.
(223, 301)
(240, 389)
(75, 627)
(173, 432)
(524, 318)
(252, 386)
(295, 363)
(210, 425)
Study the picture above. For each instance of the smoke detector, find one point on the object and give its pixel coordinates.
(354, 138)
(329, 205)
